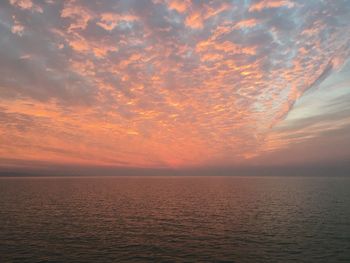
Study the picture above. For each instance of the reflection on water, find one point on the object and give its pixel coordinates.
(242, 219)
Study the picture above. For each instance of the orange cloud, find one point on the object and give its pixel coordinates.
(270, 4)
(199, 15)
(162, 83)
(78, 14)
(180, 6)
(246, 23)
(26, 4)
(17, 27)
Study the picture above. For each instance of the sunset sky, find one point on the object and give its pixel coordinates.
(174, 84)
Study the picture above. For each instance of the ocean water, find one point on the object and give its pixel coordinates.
(175, 219)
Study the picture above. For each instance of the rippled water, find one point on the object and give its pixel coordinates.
(240, 219)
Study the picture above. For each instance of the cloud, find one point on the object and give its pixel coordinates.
(180, 6)
(109, 20)
(316, 121)
(26, 5)
(199, 14)
(78, 14)
(160, 83)
(17, 28)
(266, 4)
(247, 23)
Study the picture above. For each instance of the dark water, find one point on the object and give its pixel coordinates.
(251, 219)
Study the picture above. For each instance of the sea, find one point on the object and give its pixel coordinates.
(175, 219)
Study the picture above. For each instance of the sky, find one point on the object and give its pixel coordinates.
(174, 84)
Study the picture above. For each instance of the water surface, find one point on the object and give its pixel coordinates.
(239, 219)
